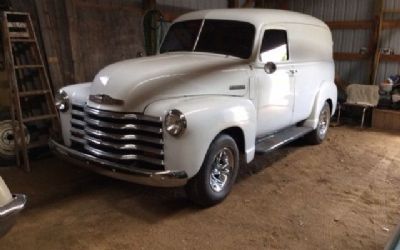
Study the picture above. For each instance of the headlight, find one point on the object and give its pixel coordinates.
(175, 122)
(61, 101)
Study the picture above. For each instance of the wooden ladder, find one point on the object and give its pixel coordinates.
(32, 102)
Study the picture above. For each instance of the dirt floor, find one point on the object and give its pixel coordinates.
(343, 194)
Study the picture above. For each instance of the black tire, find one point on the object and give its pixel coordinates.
(203, 188)
(318, 135)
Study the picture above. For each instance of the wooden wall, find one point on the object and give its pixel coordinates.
(103, 32)
(80, 37)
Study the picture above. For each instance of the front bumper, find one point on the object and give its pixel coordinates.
(10, 211)
(167, 178)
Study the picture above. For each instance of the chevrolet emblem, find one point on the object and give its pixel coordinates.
(105, 99)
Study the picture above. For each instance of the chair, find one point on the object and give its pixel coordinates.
(364, 96)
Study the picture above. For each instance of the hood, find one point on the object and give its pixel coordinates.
(139, 82)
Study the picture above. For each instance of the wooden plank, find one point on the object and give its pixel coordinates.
(391, 24)
(394, 11)
(379, 6)
(19, 40)
(386, 119)
(48, 34)
(29, 66)
(19, 34)
(340, 56)
(72, 16)
(366, 24)
(16, 25)
(390, 58)
(33, 93)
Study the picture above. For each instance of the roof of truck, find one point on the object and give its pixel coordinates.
(254, 16)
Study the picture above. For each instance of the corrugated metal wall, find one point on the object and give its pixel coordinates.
(352, 40)
(349, 41)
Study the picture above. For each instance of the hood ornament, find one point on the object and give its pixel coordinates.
(105, 99)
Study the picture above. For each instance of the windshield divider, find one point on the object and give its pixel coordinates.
(198, 35)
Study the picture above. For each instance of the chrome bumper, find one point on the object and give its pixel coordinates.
(165, 178)
(10, 211)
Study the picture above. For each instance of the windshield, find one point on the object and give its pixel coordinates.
(233, 38)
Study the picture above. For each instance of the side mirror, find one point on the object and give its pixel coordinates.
(270, 67)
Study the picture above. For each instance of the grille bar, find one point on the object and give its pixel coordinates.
(118, 137)
(112, 156)
(121, 116)
(126, 146)
(77, 113)
(77, 122)
(125, 137)
(125, 126)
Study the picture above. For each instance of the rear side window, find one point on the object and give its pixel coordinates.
(274, 47)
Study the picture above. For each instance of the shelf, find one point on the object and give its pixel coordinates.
(366, 24)
(390, 58)
(38, 118)
(339, 56)
(393, 11)
(33, 93)
(390, 24)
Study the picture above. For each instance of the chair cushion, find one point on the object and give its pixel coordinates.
(366, 95)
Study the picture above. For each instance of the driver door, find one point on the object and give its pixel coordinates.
(275, 91)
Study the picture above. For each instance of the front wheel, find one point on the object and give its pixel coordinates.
(318, 135)
(218, 173)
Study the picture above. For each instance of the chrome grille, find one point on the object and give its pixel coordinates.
(127, 138)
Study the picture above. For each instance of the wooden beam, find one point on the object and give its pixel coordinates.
(393, 11)
(340, 56)
(390, 58)
(390, 24)
(366, 24)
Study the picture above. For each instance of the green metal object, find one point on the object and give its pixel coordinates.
(154, 30)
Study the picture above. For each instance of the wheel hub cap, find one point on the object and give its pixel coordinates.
(221, 169)
(323, 123)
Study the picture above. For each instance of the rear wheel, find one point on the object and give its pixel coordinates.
(318, 135)
(218, 173)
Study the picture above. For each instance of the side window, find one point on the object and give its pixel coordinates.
(274, 47)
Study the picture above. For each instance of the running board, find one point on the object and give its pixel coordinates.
(271, 142)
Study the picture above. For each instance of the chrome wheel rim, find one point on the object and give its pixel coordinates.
(323, 122)
(221, 169)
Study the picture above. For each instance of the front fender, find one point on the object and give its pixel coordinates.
(78, 94)
(206, 117)
(327, 91)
